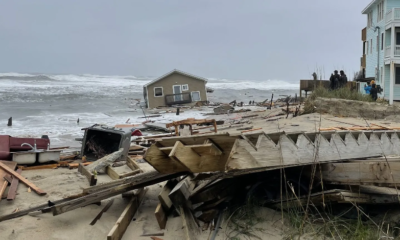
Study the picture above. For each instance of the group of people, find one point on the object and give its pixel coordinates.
(371, 89)
(338, 81)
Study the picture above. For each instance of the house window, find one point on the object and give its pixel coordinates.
(397, 77)
(158, 92)
(196, 96)
(381, 11)
(382, 42)
(397, 38)
(369, 22)
(185, 87)
(367, 43)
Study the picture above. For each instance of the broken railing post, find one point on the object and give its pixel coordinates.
(9, 122)
(177, 111)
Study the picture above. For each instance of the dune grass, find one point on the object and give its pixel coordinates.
(342, 93)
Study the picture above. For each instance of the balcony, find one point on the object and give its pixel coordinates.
(363, 61)
(393, 15)
(364, 35)
(396, 52)
(182, 98)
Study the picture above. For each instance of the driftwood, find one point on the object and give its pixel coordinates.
(104, 162)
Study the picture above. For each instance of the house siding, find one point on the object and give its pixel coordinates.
(167, 85)
(392, 4)
(372, 57)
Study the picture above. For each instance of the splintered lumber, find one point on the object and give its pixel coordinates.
(12, 191)
(161, 216)
(216, 191)
(206, 216)
(361, 172)
(105, 161)
(102, 211)
(180, 194)
(116, 187)
(124, 220)
(22, 179)
(92, 178)
(3, 173)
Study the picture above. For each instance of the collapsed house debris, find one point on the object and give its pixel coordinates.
(201, 172)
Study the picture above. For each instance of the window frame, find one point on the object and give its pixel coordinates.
(183, 87)
(162, 91)
(397, 74)
(191, 94)
(371, 46)
(369, 19)
(383, 40)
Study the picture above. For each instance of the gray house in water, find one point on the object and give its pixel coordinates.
(175, 87)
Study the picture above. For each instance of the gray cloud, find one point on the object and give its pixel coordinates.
(258, 39)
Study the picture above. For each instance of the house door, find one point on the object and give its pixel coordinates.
(177, 90)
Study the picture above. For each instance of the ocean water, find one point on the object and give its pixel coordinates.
(51, 104)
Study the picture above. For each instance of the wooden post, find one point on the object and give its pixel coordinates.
(215, 126)
(272, 97)
(177, 111)
(9, 122)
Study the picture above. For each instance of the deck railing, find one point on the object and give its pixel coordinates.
(393, 15)
(396, 51)
(181, 98)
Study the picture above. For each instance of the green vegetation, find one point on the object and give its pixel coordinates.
(342, 93)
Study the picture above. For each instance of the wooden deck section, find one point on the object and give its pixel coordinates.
(261, 151)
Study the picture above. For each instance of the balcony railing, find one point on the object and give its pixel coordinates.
(393, 15)
(396, 51)
(182, 98)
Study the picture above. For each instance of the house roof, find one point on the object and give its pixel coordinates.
(369, 6)
(172, 72)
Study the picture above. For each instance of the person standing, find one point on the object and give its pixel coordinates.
(374, 92)
(334, 80)
(367, 88)
(343, 79)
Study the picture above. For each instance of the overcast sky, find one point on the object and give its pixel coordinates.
(234, 39)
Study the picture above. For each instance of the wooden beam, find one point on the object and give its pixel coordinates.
(76, 165)
(190, 226)
(12, 191)
(90, 177)
(98, 193)
(102, 211)
(124, 220)
(161, 216)
(22, 179)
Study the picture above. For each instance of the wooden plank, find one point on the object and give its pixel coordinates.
(90, 177)
(206, 216)
(111, 173)
(190, 226)
(162, 162)
(102, 211)
(12, 191)
(3, 182)
(22, 179)
(47, 166)
(163, 197)
(76, 165)
(161, 216)
(362, 172)
(131, 163)
(193, 161)
(98, 193)
(68, 157)
(124, 220)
